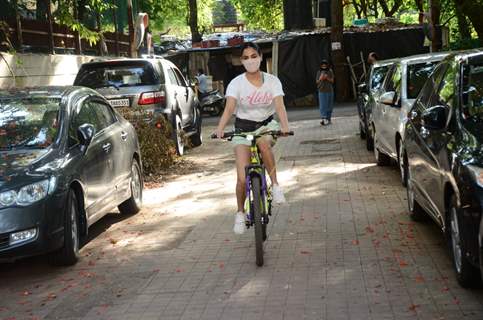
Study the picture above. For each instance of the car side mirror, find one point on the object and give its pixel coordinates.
(387, 98)
(434, 118)
(362, 88)
(85, 133)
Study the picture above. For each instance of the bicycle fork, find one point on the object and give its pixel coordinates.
(266, 198)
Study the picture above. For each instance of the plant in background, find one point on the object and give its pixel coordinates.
(157, 148)
(65, 14)
(261, 14)
(6, 43)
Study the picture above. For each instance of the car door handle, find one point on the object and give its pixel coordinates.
(123, 136)
(106, 147)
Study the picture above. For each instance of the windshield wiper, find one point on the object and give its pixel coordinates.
(108, 85)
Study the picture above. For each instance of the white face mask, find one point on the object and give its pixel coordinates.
(252, 64)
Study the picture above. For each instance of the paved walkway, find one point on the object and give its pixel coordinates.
(342, 248)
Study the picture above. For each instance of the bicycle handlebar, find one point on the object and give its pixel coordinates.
(231, 134)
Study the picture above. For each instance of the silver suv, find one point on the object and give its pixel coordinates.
(156, 85)
(390, 112)
(368, 95)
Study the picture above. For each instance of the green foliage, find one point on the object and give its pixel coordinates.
(261, 14)
(64, 15)
(463, 44)
(173, 15)
(157, 148)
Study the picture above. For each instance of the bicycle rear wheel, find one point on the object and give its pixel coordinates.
(257, 208)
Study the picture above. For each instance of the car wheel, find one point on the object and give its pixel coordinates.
(196, 138)
(69, 253)
(369, 140)
(217, 109)
(362, 133)
(416, 212)
(466, 274)
(134, 203)
(178, 135)
(381, 158)
(403, 166)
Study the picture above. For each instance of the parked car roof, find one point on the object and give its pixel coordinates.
(425, 57)
(472, 54)
(381, 63)
(51, 91)
(103, 62)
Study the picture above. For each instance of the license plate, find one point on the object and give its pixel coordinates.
(119, 103)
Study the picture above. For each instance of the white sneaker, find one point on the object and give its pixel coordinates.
(277, 194)
(239, 227)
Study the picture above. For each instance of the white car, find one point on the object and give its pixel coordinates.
(390, 112)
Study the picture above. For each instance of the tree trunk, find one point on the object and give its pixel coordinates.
(390, 12)
(297, 14)
(41, 10)
(357, 9)
(364, 8)
(419, 5)
(435, 9)
(338, 57)
(474, 11)
(50, 30)
(193, 21)
(18, 26)
(463, 25)
(130, 21)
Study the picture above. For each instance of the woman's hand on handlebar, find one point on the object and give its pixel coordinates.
(219, 133)
(285, 131)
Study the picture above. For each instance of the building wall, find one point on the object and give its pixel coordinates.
(39, 69)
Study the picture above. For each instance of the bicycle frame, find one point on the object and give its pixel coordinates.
(256, 167)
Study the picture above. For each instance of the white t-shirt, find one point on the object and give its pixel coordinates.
(256, 104)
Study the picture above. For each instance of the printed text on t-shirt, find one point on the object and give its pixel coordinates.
(257, 98)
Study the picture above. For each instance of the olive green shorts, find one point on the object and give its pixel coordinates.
(271, 126)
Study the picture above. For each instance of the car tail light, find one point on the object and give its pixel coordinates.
(152, 97)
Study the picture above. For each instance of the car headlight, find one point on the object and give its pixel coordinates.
(29, 194)
(477, 173)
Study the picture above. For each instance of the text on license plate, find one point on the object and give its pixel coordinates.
(119, 103)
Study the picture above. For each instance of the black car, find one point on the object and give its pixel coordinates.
(67, 158)
(366, 98)
(154, 85)
(443, 149)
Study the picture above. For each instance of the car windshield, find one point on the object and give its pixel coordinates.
(417, 76)
(28, 122)
(472, 96)
(119, 74)
(378, 75)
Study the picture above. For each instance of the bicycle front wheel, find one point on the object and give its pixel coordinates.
(257, 208)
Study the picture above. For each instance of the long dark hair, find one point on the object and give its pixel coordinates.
(252, 45)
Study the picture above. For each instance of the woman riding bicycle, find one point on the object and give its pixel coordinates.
(253, 97)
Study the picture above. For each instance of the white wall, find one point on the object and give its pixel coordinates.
(40, 69)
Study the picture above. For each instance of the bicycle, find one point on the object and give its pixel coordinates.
(258, 201)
